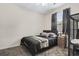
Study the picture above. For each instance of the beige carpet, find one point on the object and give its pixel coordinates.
(22, 51)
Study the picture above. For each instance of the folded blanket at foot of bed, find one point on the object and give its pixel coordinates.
(43, 41)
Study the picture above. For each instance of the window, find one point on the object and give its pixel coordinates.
(59, 21)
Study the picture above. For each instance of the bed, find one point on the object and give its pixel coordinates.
(35, 45)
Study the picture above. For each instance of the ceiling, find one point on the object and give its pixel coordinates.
(39, 7)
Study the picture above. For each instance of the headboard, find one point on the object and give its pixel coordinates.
(47, 31)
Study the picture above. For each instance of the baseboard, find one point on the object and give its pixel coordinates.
(9, 46)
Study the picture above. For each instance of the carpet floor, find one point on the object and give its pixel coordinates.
(22, 51)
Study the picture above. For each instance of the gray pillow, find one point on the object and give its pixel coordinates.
(43, 34)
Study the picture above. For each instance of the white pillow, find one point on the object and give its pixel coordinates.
(52, 34)
(44, 34)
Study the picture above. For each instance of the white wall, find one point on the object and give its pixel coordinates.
(16, 23)
(47, 22)
(74, 9)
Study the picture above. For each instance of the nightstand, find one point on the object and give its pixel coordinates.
(62, 41)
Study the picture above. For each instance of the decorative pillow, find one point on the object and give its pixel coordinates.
(52, 35)
(43, 34)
